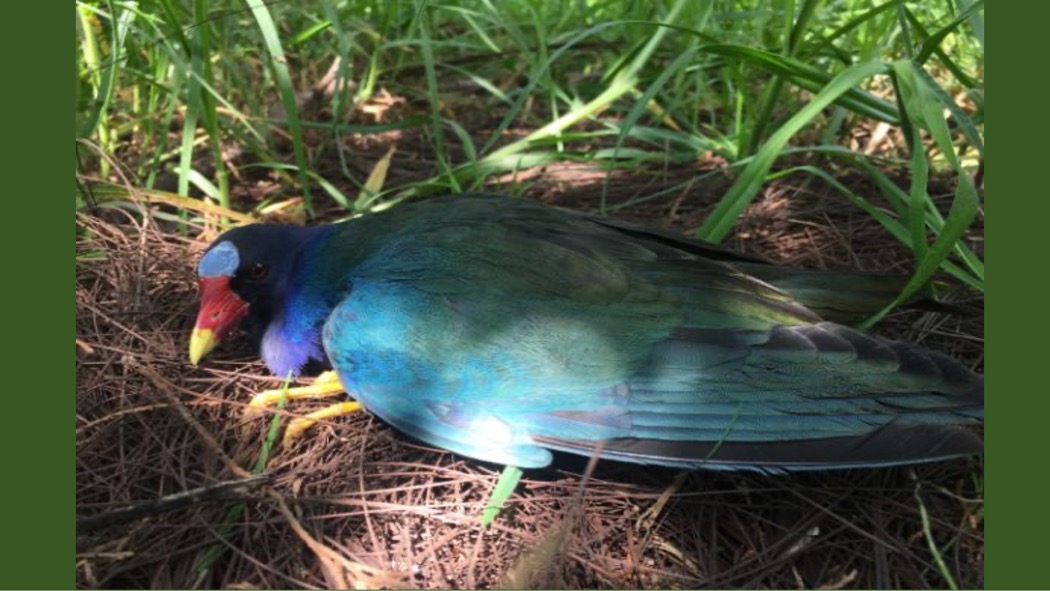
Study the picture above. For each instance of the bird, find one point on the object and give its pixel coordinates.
(505, 330)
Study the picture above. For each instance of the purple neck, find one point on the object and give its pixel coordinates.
(293, 336)
(286, 351)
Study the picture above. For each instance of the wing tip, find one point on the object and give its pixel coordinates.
(890, 445)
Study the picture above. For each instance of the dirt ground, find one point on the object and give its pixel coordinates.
(359, 505)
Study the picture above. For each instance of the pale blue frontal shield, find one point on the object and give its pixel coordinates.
(221, 261)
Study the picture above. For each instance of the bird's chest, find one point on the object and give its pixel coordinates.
(392, 346)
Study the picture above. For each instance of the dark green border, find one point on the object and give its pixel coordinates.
(36, 520)
(1017, 393)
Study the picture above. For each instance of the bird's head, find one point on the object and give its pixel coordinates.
(243, 275)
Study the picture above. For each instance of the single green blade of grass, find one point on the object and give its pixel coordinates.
(923, 108)
(508, 481)
(920, 177)
(376, 179)
(931, 542)
(226, 527)
(209, 117)
(279, 63)
(90, 53)
(332, 190)
(189, 134)
(105, 75)
(309, 33)
(430, 75)
(964, 121)
(206, 186)
(976, 21)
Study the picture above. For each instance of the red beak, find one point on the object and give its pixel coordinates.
(221, 311)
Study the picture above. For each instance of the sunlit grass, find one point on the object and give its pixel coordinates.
(167, 87)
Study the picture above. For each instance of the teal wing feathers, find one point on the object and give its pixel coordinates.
(502, 332)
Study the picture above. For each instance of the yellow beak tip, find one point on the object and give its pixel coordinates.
(202, 341)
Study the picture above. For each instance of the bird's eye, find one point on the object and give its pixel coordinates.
(258, 271)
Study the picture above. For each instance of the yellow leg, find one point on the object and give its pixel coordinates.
(325, 385)
(301, 424)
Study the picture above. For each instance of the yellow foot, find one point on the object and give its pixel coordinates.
(325, 385)
(298, 426)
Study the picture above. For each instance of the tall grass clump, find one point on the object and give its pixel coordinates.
(193, 96)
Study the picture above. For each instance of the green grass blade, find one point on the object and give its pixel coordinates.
(535, 78)
(105, 75)
(189, 134)
(508, 481)
(771, 96)
(721, 220)
(427, 47)
(964, 121)
(621, 84)
(976, 21)
(203, 184)
(640, 106)
(201, 69)
(331, 190)
(309, 33)
(89, 52)
(861, 19)
(279, 63)
(927, 531)
(934, 40)
(935, 48)
(899, 200)
(894, 227)
(960, 217)
(918, 198)
(810, 78)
